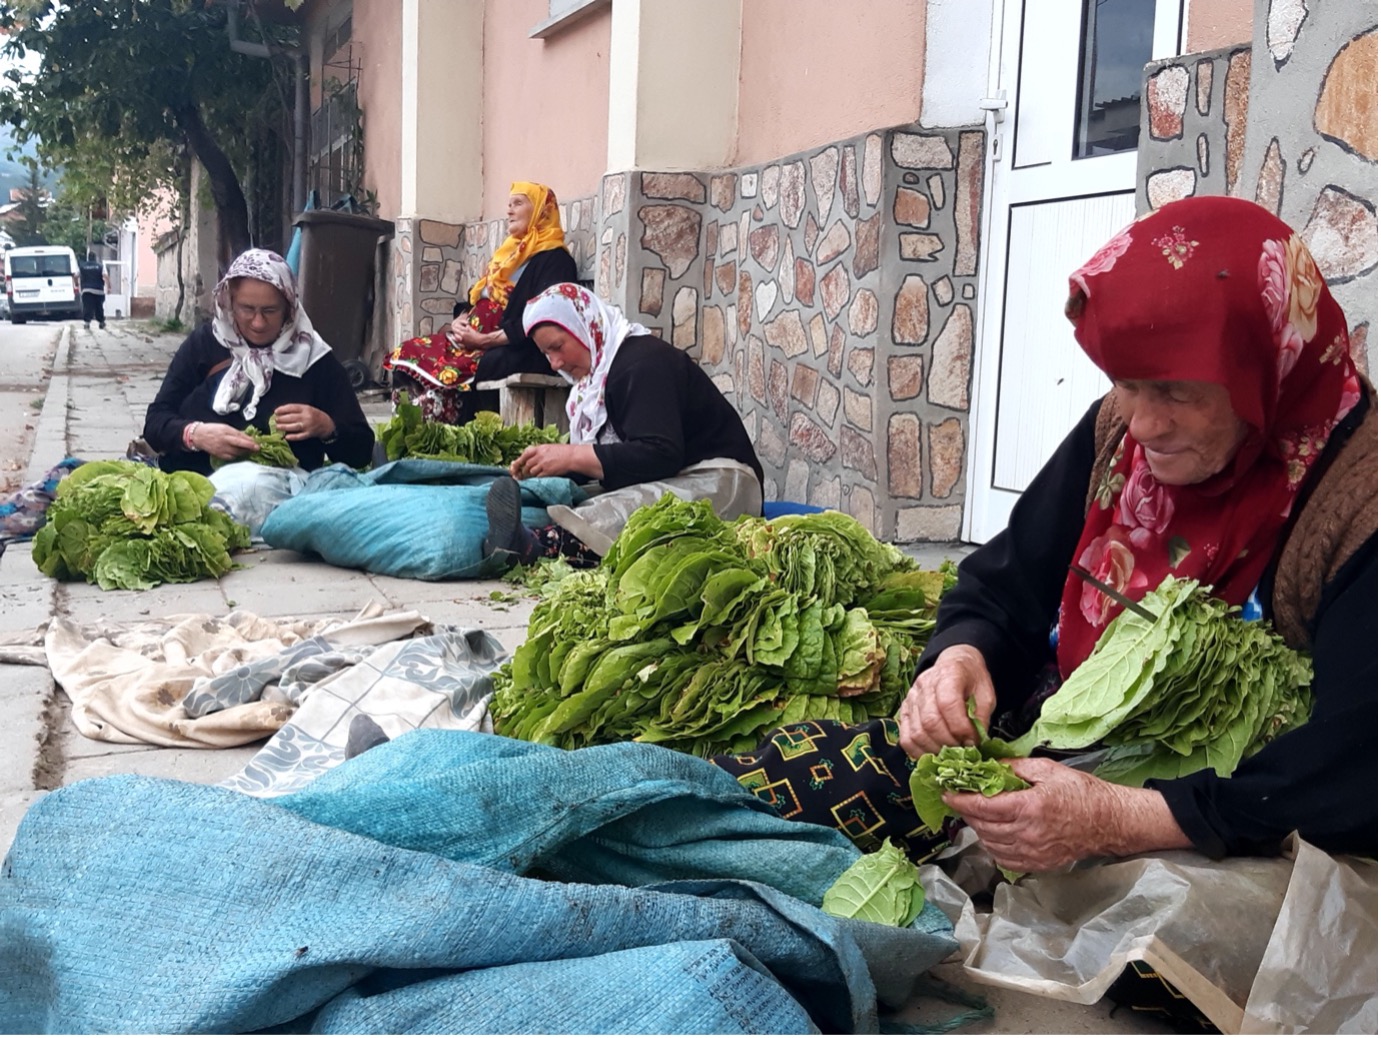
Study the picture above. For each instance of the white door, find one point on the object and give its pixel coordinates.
(1061, 181)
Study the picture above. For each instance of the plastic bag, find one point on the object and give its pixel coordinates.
(1263, 945)
(250, 491)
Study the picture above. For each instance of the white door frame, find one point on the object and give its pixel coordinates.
(987, 507)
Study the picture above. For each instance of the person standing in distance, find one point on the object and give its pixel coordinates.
(93, 285)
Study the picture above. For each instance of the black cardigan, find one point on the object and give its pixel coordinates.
(521, 354)
(667, 415)
(188, 389)
(1319, 778)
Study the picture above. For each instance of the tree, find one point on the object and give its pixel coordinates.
(132, 82)
(28, 229)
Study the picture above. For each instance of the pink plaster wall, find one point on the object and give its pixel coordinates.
(813, 71)
(376, 34)
(1217, 23)
(546, 102)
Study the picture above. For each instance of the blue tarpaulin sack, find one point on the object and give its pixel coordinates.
(399, 893)
(415, 518)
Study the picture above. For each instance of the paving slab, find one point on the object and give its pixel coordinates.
(24, 603)
(13, 807)
(203, 766)
(23, 725)
(87, 603)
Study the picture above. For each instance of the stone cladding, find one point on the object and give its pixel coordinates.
(1290, 122)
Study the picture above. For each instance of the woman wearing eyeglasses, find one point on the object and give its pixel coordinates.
(258, 357)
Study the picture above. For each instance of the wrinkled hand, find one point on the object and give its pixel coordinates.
(473, 340)
(303, 422)
(935, 711)
(544, 459)
(1064, 817)
(222, 441)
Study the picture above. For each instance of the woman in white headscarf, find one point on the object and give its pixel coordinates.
(645, 420)
(258, 357)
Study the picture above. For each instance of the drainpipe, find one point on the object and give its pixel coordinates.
(302, 68)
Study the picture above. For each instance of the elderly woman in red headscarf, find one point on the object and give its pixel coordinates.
(486, 340)
(1237, 447)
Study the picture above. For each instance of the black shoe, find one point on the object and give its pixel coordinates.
(504, 507)
(102, 326)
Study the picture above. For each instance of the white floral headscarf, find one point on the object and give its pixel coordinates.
(296, 349)
(601, 327)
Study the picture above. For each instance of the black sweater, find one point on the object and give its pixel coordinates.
(667, 415)
(521, 354)
(1319, 778)
(189, 387)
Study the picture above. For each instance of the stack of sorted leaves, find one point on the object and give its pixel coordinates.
(1196, 688)
(483, 441)
(702, 635)
(881, 887)
(120, 524)
(273, 450)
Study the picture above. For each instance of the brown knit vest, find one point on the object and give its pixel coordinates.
(1335, 520)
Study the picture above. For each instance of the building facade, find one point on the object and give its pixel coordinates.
(858, 218)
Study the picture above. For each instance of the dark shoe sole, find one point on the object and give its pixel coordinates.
(504, 508)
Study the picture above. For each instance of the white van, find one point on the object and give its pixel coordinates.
(41, 281)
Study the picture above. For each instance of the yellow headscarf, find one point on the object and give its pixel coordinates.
(543, 232)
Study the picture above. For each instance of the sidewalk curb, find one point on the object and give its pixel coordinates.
(50, 433)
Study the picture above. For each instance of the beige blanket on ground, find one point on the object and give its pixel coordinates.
(127, 681)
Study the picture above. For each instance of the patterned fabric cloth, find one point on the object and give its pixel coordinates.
(25, 510)
(601, 327)
(296, 349)
(558, 543)
(543, 232)
(439, 361)
(1210, 290)
(854, 778)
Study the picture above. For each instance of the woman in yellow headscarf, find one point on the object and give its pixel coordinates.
(486, 340)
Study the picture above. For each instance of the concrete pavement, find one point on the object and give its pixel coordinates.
(100, 387)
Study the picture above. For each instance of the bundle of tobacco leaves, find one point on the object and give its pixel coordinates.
(121, 524)
(485, 440)
(273, 448)
(1198, 687)
(702, 635)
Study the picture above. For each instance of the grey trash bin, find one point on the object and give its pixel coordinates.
(337, 280)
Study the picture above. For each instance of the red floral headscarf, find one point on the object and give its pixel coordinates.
(1207, 290)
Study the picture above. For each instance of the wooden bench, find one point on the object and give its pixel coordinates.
(525, 397)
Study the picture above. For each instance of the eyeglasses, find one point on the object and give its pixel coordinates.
(245, 312)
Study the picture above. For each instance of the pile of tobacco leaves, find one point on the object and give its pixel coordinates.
(484, 440)
(1198, 687)
(121, 524)
(702, 635)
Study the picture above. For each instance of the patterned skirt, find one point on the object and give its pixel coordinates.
(854, 778)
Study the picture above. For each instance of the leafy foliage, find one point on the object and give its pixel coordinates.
(1196, 688)
(120, 524)
(124, 87)
(702, 635)
(273, 450)
(485, 440)
(957, 769)
(881, 887)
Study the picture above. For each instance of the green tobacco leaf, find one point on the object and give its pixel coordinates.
(956, 769)
(881, 887)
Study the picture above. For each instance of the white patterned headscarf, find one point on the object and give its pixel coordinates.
(296, 349)
(601, 327)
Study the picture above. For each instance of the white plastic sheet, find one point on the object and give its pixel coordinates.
(1281, 945)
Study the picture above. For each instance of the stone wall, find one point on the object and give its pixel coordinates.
(1290, 122)
(433, 262)
(830, 295)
